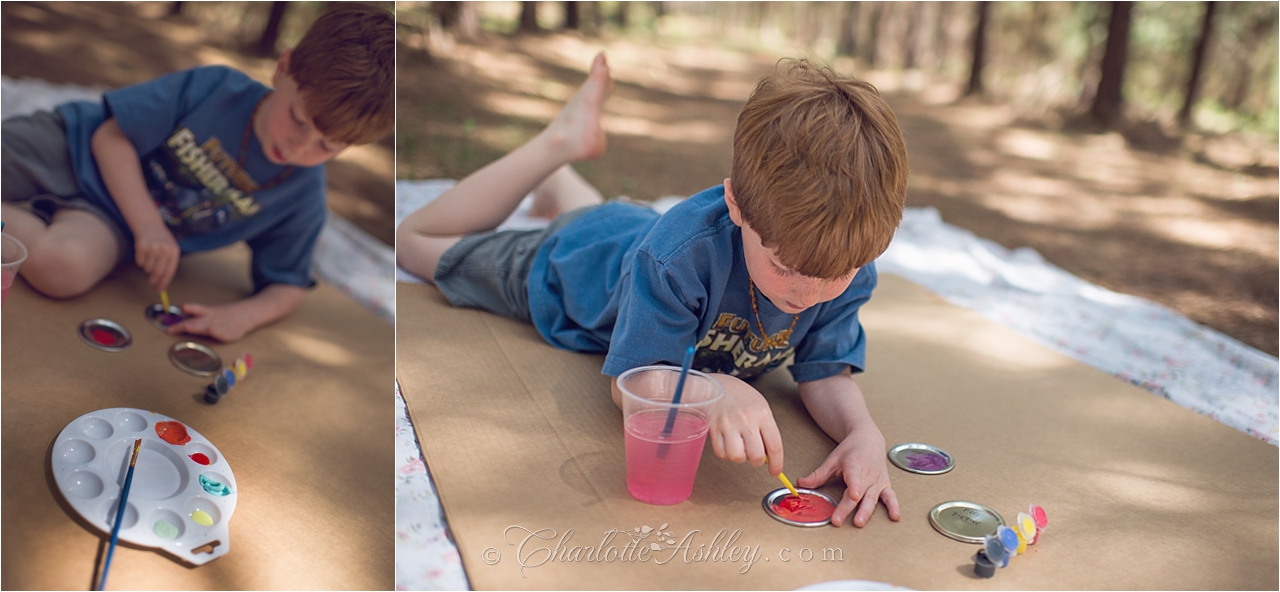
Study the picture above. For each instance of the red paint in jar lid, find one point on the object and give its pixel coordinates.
(104, 336)
(806, 507)
(172, 432)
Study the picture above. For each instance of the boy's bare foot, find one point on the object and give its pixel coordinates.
(576, 130)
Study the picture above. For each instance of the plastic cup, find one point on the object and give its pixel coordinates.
(664, 439)
(12, 254)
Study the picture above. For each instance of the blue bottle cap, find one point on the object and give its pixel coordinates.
(995, 550)
(1009, 538)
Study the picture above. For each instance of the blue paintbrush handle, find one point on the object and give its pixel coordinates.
(124, 503)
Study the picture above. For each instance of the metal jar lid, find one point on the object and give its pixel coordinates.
(924, 459)
(772, 499)
(105, 335)
(966, 522)
(196, 359)
(162, 320)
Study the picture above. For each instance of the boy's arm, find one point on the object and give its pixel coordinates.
(742, 425)
(155, 249)
(230, 322)
(837, 405)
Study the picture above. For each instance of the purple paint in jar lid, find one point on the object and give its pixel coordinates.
(162, 319)
(924, 459)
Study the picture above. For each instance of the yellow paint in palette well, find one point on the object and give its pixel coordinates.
(202, 518)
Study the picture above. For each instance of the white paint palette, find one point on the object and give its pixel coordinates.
(182, 495)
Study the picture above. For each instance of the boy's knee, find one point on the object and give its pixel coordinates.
(59, 273)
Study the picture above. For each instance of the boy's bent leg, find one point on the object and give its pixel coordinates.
(488, 196)
(69, 256)
(419, 254)
(565, 190)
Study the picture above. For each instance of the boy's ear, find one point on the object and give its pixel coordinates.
(734, 213)
(282, 67)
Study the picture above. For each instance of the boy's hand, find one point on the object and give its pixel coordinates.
(156, 252)
(742, 426)
(860, 459)
(218, 322)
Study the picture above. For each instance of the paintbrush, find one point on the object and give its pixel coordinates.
(785, 481)
(675, 400)
(124, 500)
(164, 300)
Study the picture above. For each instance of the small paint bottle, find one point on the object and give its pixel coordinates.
(227, 379)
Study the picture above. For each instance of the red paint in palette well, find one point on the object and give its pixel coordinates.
(200, 459)
(103, 336)
(805, 508)
(172, 432)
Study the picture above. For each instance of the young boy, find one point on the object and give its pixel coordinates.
(197, 160)
(774, 263)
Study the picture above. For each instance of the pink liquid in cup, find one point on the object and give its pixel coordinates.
(667, 479)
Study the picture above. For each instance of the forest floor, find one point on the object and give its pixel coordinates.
(1191, 224)
(113, 44)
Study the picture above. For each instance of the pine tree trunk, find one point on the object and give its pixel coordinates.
(848, 38)
(1108, 105)
(271, 33)
(528, 17)
(571, 15)
(979, 50)
(873, 36)
(910, 40)
(1197, 63)
(623, 15)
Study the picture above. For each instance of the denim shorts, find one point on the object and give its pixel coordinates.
(490, 270)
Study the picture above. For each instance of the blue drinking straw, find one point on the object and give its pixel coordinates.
(680, 390)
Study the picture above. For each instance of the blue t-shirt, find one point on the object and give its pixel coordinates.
(642, 287)
(188, 128)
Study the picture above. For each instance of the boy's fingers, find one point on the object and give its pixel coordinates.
(772, 447)
(717, 444)
(193, 325)
(755, 450)
(865, 507)
(171, 269)
(819, 476)
(733, 448)
(194, 309)
(842, 511)
(891, 503)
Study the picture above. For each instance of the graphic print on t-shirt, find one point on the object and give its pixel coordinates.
(198, 188)
(731, 347)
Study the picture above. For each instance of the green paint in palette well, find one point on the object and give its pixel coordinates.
(213, 487)
(165, 530)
